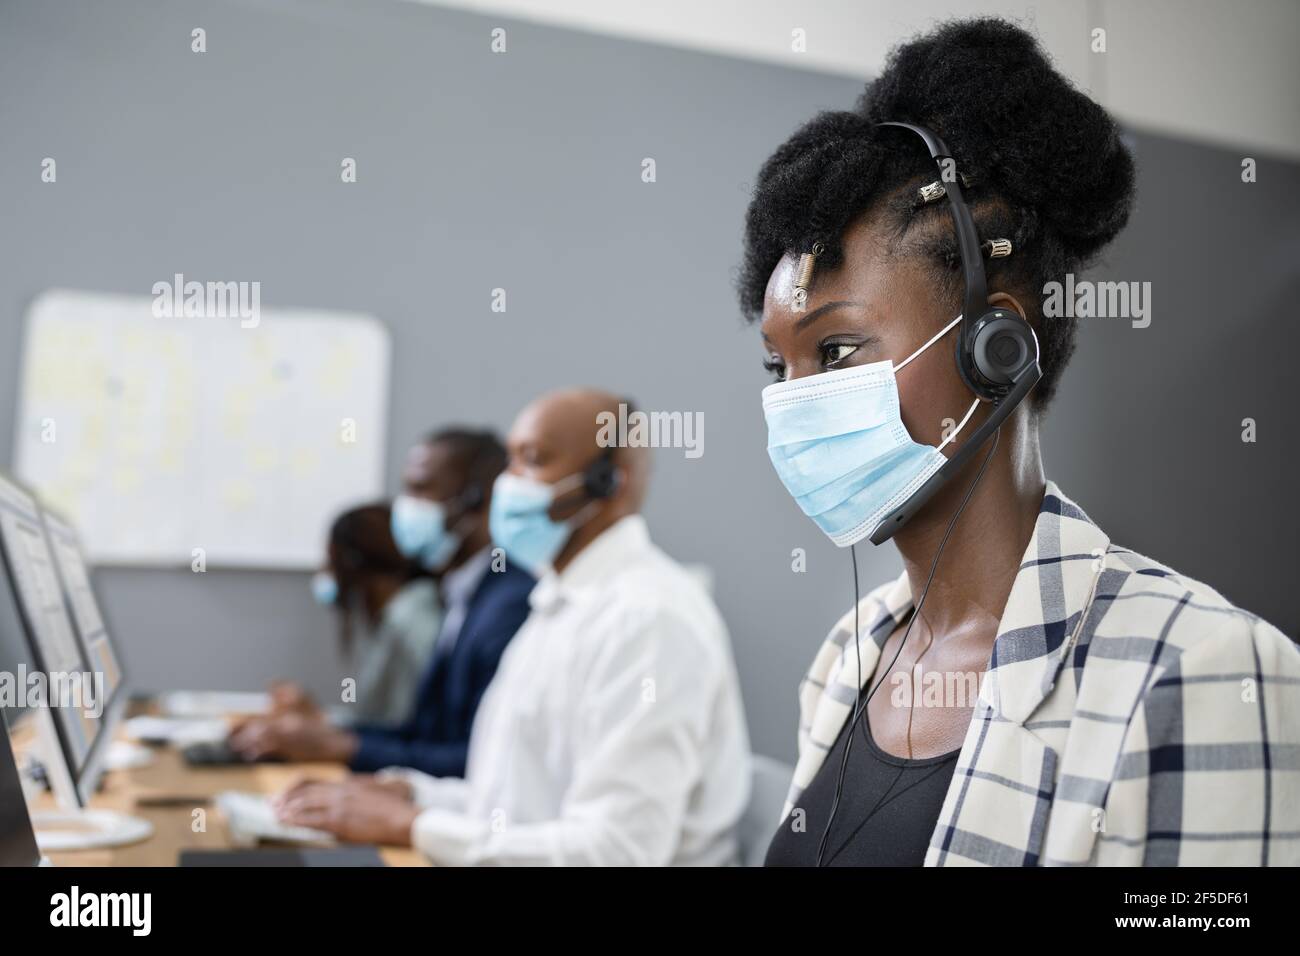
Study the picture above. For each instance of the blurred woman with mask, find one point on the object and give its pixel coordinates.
(368, 582)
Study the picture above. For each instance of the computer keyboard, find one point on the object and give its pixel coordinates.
(219, 753)
(177, 731)
(251, 819)
(212, 703)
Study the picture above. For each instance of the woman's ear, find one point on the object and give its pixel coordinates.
(1005, 300)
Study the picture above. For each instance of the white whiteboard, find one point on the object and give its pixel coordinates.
(157, 436)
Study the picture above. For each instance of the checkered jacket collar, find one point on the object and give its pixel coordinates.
(1045, 612)
(1052, 591)
(1044, 615)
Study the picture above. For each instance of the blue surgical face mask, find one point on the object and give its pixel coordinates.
(324, 588)
(839, 445)
(520, 522)
(420, 531)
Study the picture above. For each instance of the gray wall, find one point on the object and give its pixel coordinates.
(523, 171)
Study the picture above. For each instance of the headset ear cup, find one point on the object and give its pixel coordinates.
(615, 479)
(1002, 345)
(472, 498)
(601, 478)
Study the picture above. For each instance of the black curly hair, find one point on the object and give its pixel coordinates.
(1048, 170)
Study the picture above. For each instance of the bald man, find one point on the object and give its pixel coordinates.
(613, 733)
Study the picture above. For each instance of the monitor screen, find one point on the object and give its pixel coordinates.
(83, 604)
(16, 661)
(17, 841)
(71, 690)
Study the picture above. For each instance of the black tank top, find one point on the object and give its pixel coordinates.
(889, 807)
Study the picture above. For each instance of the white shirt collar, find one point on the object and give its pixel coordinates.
(593, 565)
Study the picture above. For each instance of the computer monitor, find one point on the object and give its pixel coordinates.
(83, 606)
(82, 691)
(16, 662)
(72, 695)
(17, 840)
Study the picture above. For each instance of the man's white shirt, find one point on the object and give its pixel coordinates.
(613, 732)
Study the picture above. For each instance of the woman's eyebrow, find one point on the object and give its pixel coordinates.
(820, 311)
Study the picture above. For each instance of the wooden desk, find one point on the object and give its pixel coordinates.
(169, 775)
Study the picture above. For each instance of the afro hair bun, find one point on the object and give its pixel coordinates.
(988, 89)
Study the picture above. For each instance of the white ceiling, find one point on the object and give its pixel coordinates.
(1220, 71)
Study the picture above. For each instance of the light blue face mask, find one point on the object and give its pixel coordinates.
(324, 588)
(839, 445)
(419, 528)
(520, 523)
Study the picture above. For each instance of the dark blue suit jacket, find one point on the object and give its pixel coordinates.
(435, 738)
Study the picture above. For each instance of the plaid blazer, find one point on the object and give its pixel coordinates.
(1129, 716)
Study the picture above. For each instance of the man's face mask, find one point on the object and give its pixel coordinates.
(420, 531)
(839, 445)
(520, 521)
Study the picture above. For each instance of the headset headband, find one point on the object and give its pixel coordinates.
(975, 300)
(991, 323)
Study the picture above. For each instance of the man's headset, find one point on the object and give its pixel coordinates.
(602, 478)
(997, 351)
(471, 499)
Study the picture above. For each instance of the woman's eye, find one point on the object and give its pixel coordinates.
(776, 368)
(834, 354)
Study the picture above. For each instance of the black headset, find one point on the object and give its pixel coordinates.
(602, 478)
(471, 499)
(997, 351)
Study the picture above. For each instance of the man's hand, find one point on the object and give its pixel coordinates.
(358, 813)
(290, 698)
(394, 786)
(293, 737)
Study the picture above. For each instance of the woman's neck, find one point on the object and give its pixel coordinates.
(982, 555)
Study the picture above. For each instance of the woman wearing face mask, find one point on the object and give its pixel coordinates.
(1026, 692)
(367, 580)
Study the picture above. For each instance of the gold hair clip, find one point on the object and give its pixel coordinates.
(997, 248)
(929, 193)
(804, 279)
